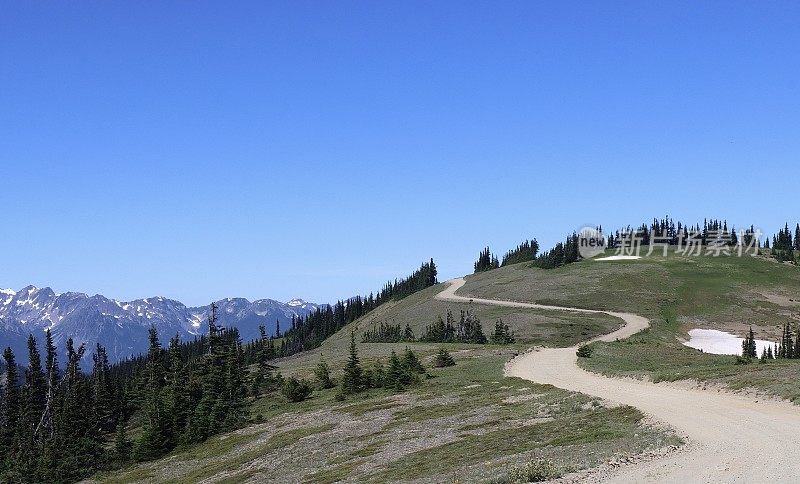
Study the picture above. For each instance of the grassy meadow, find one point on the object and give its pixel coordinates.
(467, 423)
(676, 293)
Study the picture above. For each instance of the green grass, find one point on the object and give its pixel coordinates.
(360, 408)
(334, 474)
(601, 426)
(676, 293)
(658, 355)
(368, 436)
(707, 289)
(218, 455)
(490, 429)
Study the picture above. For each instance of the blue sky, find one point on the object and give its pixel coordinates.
(200, 150)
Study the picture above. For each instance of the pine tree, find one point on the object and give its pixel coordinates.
(77, 435)
(235, 393)
(408, 334)
(29, 449)
(443, 359)
(411, 363)
(396, 374)
(10, 409)
(352, 378)
(103, 393)
(323, 374)
(122, 446)
(378, 374)
(264, 371)
(797, 345)
(177, 400)
(155, 440)
(749, 345)
(502, 334)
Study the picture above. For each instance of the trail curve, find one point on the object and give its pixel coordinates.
(732, 438)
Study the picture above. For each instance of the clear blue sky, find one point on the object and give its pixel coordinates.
(200, 150)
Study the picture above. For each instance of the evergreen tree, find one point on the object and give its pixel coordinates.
(296, 390)
(486, 261)
(796, 354)
(44, 429)
(378, 374)
(749, 345)
(103, 400)
(396, 375)
(411, 362)
(443, 359)
(10, 409)
(263, 378)
(177, 399)
(323, 374)
(502, 334)
(408, 334)
(29, 450)
(525, 252)
(77, 434)
(122, 446)
(235, 393)
(352, 378)
(155, 440)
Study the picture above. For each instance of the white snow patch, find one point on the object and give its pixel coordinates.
(620, 257)
(9, 292)
(720, 342)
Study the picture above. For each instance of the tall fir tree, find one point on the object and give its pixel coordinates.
(353, 373)
(155, 439)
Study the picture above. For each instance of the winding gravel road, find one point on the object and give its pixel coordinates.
(732, 438)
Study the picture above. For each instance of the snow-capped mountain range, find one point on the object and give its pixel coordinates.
(122, 326)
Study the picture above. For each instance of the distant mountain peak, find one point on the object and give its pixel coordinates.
(296, 302)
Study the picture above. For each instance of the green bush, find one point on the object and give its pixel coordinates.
(296, 390)
(584, 351)
(534, 471)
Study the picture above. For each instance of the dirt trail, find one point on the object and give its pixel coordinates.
(732, 438)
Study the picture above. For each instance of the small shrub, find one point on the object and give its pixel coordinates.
(534, 471)
(339, 397)
(323, 374)
(296, 390)
(443, 359)
(584, 351)
(743, 360)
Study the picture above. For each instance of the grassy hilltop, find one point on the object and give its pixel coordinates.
(677, 293)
